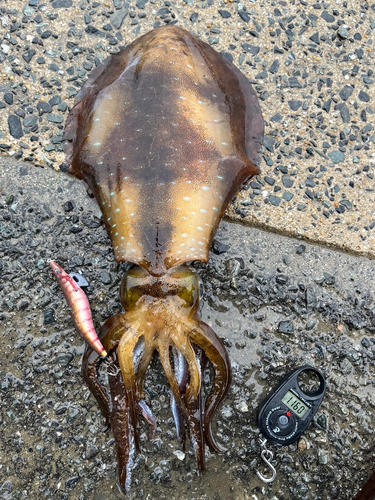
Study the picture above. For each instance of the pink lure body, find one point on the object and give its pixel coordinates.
(79, 308)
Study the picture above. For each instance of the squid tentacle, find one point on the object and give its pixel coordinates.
(193, 397)
(90, 371)
(109, 335)
(196, 424)
(143, 366)
(148, 416)
(163, 348)
(183, 344)
(206, 339)
(181, 373)
(126, 347)
(122, 431)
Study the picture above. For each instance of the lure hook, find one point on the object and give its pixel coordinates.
(112, 369)
(267, 456)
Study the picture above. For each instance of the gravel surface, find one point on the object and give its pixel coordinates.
(311, 64)
(276, 302)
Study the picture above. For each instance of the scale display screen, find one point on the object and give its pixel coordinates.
(294, 404)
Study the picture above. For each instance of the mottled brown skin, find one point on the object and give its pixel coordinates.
(165, 133)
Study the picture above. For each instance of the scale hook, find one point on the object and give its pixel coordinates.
(267, 456)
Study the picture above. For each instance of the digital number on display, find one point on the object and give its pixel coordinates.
(295, 405)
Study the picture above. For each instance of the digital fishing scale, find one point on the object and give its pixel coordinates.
(287, 412)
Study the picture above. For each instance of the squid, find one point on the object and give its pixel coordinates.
(165, 133)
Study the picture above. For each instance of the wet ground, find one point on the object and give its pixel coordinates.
(277, 303)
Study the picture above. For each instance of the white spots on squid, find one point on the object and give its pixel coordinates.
(188, 65)
(96, 119)
(182, 98)
(215, 209)
(182, 245)
(124, 159)
(122, 238)
(97, 144)
(109, 219)
(117, 210)
(200, 228)
(205, 188)
(186, 198)
(117, 124)
(201, 243)
(112, 194)
(184, 235)
(184, 218)
(100, 163)
(208, 141)
(203, 103)
(128, 200)
(203, 211)
(225, 144)
(220, 177)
